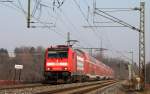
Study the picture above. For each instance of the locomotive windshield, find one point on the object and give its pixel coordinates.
(57, 54)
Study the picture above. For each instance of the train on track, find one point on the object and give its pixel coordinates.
(65, 64)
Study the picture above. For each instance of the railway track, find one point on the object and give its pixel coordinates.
(81, 89)
(73, 88)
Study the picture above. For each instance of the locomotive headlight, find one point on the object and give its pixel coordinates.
(50, 64)
(63, 64)
(65, 68)
(56, 64)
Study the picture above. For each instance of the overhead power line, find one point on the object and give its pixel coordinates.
(19, 7)
(115, 19)
(78, 6)
(6, 1)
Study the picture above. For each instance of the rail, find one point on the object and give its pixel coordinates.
(83, 88)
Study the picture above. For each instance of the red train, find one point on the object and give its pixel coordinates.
(63, 63)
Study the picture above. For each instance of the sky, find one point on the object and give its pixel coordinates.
(71, 17)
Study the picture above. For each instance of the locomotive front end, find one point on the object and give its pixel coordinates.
(56, 68)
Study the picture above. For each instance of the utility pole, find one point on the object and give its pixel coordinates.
(68, 38)
(101, 50)
(70, 42)
(28, 18)
(131, 66)
(142, 45)
(132, 57)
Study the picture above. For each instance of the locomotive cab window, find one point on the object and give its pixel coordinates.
(57, 54)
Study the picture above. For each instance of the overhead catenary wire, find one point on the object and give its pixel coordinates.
(107, 22)
(20, 5)
(57, 19)
(36, 6)
(67, 20)
(9, 6)
(86, 19)
(116, 10)
(114, 19)
(99, 37)
(78, 6)
(24, 12)
(40, 12)
(21, 8)
(73, 26)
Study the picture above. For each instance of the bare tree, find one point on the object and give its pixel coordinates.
(32, 59)
(4, 64)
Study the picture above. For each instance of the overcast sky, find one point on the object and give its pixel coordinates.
(71, 17)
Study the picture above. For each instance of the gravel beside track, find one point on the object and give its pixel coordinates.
(19, 86)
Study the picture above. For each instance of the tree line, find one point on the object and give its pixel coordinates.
(31, 58)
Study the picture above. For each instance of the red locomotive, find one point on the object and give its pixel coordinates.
(63, 63)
